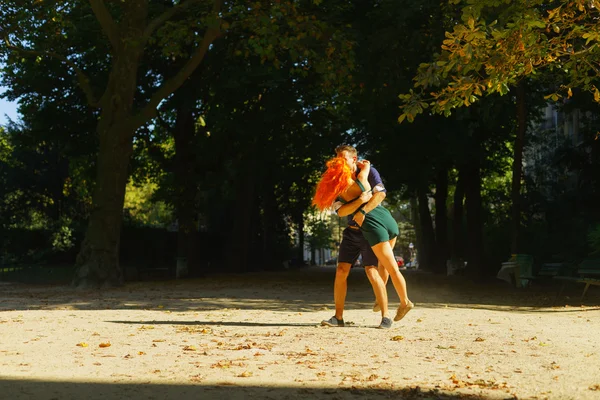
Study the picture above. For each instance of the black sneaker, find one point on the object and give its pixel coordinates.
(333, 321)
(386, 323)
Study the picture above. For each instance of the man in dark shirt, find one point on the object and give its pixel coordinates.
(354, 244)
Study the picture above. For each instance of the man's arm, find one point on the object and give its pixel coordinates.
(377, 198)
(374, 202)
(349, 208)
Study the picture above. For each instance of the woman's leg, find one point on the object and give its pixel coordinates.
(379, 290)
(383, 274)
(385, 255)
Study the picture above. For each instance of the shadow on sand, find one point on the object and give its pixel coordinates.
(56, 390)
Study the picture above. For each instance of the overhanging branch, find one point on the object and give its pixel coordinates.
(172, 84)
(106, 22)
(82, 78)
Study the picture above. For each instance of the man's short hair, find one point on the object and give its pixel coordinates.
(345, 147)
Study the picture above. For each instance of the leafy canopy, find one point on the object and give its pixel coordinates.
(498, 42)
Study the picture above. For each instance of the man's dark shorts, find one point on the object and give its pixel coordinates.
(353, 244)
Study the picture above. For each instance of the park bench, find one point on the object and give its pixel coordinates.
(546, 271)
(588, 273)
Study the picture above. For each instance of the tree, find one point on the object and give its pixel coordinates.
(68, 31)
(499, 42)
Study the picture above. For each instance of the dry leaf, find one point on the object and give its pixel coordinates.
(189, 348)
(141, 353)
(82, 344)
(107, 344)
(245, 374)
(397, 338)
(479, 339)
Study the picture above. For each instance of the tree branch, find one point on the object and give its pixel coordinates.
(106, 22)
(172, 84)
(164, 17)
(82, 78)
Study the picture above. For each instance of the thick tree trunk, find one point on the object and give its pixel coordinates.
(427, 250)
(441, 220)
(458, 246)
(98, 259)
(517, 169)
(474, 220)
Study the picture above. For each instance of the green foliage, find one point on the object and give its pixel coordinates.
(496, 44)
(141, 209)
(594, 240)
(319, 230)
(63, 237)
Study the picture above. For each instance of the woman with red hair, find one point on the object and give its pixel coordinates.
(379, 227)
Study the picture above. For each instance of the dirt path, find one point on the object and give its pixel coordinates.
(258, 336)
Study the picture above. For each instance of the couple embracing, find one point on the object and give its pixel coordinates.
(353, 188)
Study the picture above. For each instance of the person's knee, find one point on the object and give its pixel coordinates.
(372, 274)
(343, 269)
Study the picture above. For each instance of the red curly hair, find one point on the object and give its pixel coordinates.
(335, 180)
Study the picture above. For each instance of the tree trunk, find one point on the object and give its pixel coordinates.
(98, 260)
(185, 191)
(474, 219)
(458, 246)
(518, 167)
(271, 254)
(240, 251)
(414, 214)
(300, 254)
(441, 220)
(427, 250)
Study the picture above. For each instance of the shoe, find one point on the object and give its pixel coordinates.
(376, 307)
(386, 323)
(333, 321)
(402, 311)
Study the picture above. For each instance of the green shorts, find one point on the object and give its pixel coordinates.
(379, 226)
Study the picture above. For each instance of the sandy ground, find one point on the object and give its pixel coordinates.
(258, 336)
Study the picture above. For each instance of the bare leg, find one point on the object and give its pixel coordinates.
(383, 273)
(385, 255)
(379, 290)
(340, 287)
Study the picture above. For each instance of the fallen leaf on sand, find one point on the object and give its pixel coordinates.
(82, 344)
(107, 344)
(397, 338)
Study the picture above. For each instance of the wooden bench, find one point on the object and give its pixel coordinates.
(588, 273)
